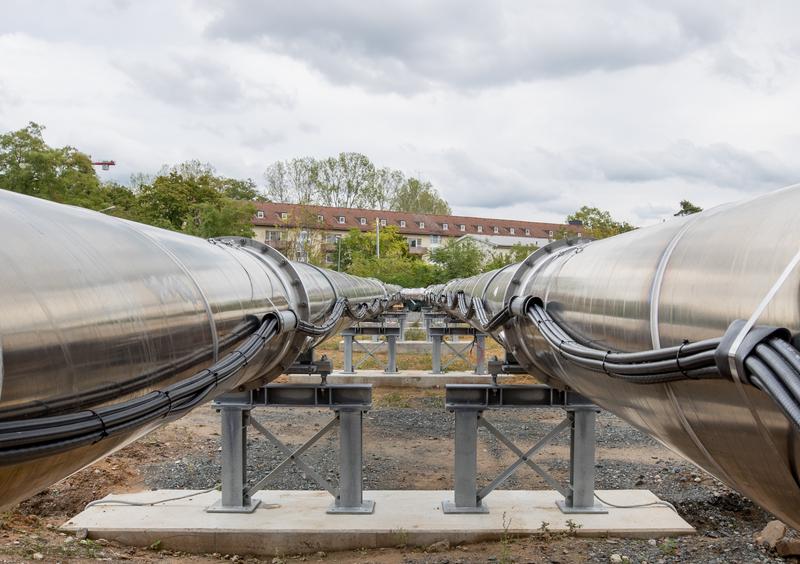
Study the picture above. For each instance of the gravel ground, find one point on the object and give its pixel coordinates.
(411, 447)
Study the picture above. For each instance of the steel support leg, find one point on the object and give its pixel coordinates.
(436, 354)
(581, 462)
(349, 498)
(235, 419)
(391, 348)
(466, 466)
(348, 352)
(402, 328)
(480, 353)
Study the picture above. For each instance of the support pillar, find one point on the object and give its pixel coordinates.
(391, 348)
(466, 465)
(235, 411)
(436, 353)
(480, 353)
(348, 351)
(581, 462)
(350, 496)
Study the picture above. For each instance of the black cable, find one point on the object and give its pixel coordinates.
(31, 438)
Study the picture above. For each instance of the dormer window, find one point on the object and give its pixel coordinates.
(362, 220)
(341, 219)
(284, 215)
(445, 227)
(260, 214)
(527, 232)
(462, 227)
(511, 230)
(422, 225)
(320, 218)
(496, 229)
(383, 223)
(480, 229)
(550, 233)
(402, 223)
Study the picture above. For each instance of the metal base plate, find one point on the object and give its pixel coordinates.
(449, 507)
(562, 505)
(219, 508)
(367, 507)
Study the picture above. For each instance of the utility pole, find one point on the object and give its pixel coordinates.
(378, 237)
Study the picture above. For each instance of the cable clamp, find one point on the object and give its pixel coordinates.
(605, 356)
(678, 358)
(104, 432)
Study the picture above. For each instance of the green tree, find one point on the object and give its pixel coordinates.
(688, 208)
(350, 180)
(416, 196)
(189, 197)
(171, 199)
(346, 181)
(358, 245)
(223, 216)
(517, 253)
(598, 224)
(457, 259)
(244, 190)
(29, 166)
(409, 272)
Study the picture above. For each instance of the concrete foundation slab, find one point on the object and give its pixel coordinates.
(294, 522)
(404, 379)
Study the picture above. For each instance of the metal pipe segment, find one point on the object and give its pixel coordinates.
(671, 294)
(119, 327)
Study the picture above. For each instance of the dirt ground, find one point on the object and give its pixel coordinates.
(408, 444)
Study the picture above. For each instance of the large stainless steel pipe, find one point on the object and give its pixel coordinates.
(688, 278)
(89, 302)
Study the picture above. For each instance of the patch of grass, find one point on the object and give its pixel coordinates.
(393, 399)
(415, 334)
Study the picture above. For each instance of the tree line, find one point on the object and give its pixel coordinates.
(350, 180)
(192, 198)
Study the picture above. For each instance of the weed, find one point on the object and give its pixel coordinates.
(505, 540)
(572, 527)
(669, 546)
(402, 537)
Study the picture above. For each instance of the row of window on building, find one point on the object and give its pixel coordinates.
(403, 224)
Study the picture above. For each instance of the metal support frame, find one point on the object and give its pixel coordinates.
(430, 317)
(398, 317)
(438, 345)
(307, 363)
(347, 401)
(468, 402)
(351, 343)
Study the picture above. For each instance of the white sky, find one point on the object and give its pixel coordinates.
(522, 110)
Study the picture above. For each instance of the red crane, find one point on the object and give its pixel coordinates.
(105, 164)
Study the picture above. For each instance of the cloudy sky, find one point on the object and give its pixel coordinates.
(511, 109)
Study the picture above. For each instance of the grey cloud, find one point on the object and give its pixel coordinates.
(559, 182)
(8, 98)
(186, 81)
(474, 183)
(651, 212)
(415, 45)
(718, 164)
(201, 83)
(261, 137)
